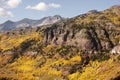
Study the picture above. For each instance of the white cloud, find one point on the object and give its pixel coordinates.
(53, 5)
(4, 13)
(5, 5)
(43, 6)
(9, 3)
(13, 3)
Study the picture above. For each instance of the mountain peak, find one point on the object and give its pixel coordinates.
(115, 9)
(56, 16)
(26, 19)
(92, 11)
(116, 6)
(9, 21)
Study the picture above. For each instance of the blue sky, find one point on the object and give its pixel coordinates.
(36, 9)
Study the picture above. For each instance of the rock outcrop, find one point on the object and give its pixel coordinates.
(116, 50)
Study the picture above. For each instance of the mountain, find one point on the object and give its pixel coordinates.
(6, 25)
(9, 25)
(95, 30)
(85, 47)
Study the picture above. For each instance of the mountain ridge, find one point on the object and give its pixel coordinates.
(26, 22)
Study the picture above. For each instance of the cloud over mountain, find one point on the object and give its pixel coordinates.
(42, 6)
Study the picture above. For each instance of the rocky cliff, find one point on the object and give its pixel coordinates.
(90, 31)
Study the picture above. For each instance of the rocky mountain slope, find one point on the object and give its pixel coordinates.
(29, 23)
(85, 47)
(91, 31)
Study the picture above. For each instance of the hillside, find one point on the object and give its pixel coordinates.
(85, 47)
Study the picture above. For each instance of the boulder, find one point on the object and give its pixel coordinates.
(116, 50)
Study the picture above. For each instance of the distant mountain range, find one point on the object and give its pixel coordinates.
(28, 23)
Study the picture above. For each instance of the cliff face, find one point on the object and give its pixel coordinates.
(90, 31)
(86, 38)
